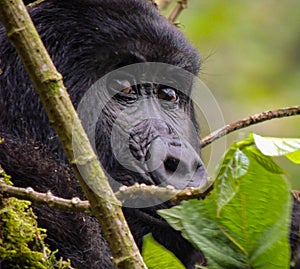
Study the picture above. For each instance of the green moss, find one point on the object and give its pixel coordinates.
(3, 175)
(21, 241)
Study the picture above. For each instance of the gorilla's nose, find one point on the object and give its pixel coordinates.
(175, 163)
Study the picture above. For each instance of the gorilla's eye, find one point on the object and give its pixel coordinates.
(167, 94)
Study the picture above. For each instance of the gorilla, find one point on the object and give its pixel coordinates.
(138, 114)
(140, 120)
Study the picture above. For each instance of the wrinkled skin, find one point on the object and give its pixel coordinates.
(87, 40)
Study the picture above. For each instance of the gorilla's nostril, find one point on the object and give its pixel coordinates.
(171, 164)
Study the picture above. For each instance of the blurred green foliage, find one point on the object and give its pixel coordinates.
(251, 61)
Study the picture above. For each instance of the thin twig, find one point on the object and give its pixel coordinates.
(176, 10)
(251, 120)
(38, 198)
(142, 191)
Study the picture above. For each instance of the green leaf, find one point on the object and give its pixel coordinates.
(271, 146)
(158, 257)
(257, 219)
(252, 229)
(265, 161)
(174, 217)
(234, 166)
(201, 228)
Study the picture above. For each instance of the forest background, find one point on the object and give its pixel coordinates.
(251, 63)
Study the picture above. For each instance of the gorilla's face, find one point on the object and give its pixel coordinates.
(142, 116)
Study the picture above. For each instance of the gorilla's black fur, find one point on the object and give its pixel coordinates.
(87, 39)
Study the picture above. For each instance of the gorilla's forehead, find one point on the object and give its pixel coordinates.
(147, 34)
(142, 73)
(157, 40)
(111, 27)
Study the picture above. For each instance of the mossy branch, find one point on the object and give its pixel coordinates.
(62, 116)
(39, 198)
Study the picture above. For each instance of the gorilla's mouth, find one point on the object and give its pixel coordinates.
(143, 208)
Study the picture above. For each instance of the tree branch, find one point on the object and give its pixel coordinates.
(137, 191)
(125, 194)
(39, 198)
(251, 120)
